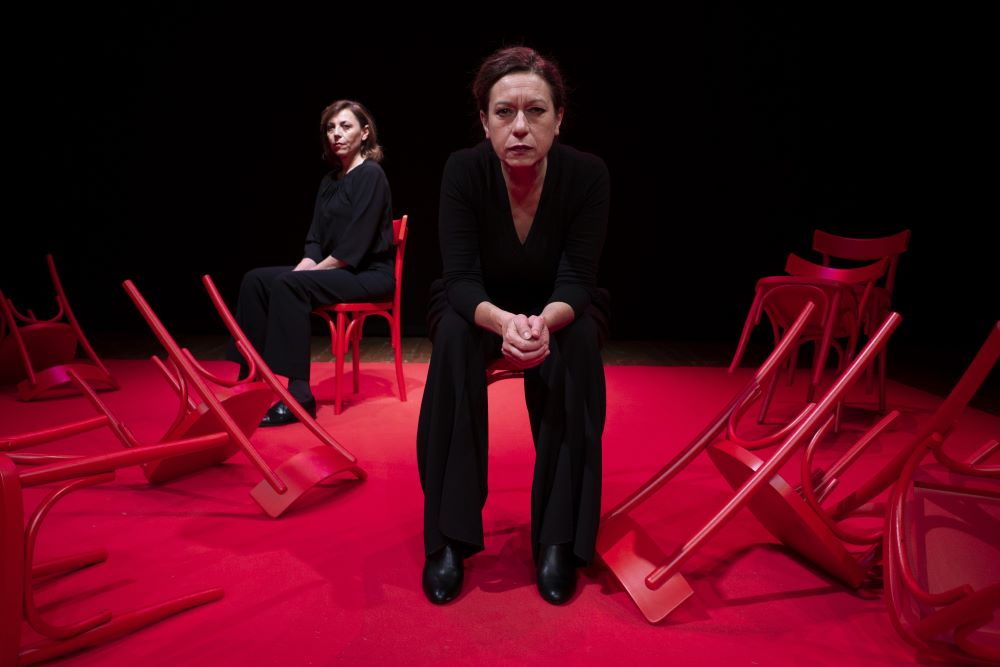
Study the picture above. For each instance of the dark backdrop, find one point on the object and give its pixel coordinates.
(167, 141)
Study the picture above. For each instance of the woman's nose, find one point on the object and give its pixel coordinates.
(521, 124)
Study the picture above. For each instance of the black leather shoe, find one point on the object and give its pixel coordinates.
(443, 574)
(280, 414)
(556, 573)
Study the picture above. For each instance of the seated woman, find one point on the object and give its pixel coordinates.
(522, 223)
(348, 256)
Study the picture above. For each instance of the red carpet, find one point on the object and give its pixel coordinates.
(336, 580)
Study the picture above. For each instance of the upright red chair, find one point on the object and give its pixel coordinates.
(654, 580)
(942, 544)
(346, 327)
(18, 571)
(831, 247)
(37, 353)
(839, 314)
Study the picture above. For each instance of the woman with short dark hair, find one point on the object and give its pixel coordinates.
(522, 222)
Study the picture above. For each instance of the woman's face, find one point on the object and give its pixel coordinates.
(345, 134)
(521, 121)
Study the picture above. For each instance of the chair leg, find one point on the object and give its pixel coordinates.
(356, 354)
(882, 406)
(339, 361)
(397, 348)
(766, 403)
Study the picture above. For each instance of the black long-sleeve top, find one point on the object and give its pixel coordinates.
(483, 258)
(352, 220)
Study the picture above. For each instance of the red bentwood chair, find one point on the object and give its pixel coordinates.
(831, 246)
(18, 572)
(301, 472)
(942, 542)
(37, 353)
(346, 320)
(651, 578)
(830, 536)
(839, 314)
(228, 410)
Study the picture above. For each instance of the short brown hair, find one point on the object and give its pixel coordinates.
(517, 59)
(369, 147)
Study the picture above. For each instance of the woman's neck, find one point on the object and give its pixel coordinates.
(349, 164)
(523, 181)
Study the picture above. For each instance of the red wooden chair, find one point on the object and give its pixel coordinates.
(831, 247)
(37, 353)
(825, 535)
(652, 579)
(346, 321)
(942, 545)
(18, 571)
(228, 409)
(839, 314)
(282, 486)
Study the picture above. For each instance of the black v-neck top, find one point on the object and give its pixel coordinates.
(482, 256)
(352, 219)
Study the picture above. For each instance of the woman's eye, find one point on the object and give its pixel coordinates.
(536, 111)
(505, 113)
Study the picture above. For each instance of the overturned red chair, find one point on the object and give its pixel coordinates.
(281, 486)
(651, 578)
(841, 297)
(18, 572)
(833, 538)
(346, 327)
(942, 542)
(233, 414)
(37, 353)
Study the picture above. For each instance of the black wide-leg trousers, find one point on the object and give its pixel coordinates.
(275, 302)
(566, 399)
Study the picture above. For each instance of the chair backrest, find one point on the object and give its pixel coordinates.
(843, 247)
(399, 233)
(803, 268)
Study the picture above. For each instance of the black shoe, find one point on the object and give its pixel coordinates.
(443, 573)
(556, 573)
(280, 414)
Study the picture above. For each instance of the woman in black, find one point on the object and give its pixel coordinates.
(522, 222)
(348, 256)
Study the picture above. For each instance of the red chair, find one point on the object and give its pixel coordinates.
(839, 314)
(942, 545)
(653, 579)
(37, 353)
(18, 571)
(829, 536)
(282, 486)
(228, 410)
(346, 327)
(831, 246)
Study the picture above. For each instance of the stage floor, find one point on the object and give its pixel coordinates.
(337, 579)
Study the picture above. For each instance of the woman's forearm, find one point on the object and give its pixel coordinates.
(557, 315)
(491, 318)
(330, 262)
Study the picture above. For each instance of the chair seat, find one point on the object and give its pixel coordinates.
(354, 307)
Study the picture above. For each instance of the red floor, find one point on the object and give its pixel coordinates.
(336, 581)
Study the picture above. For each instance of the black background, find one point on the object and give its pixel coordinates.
(162, 142)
